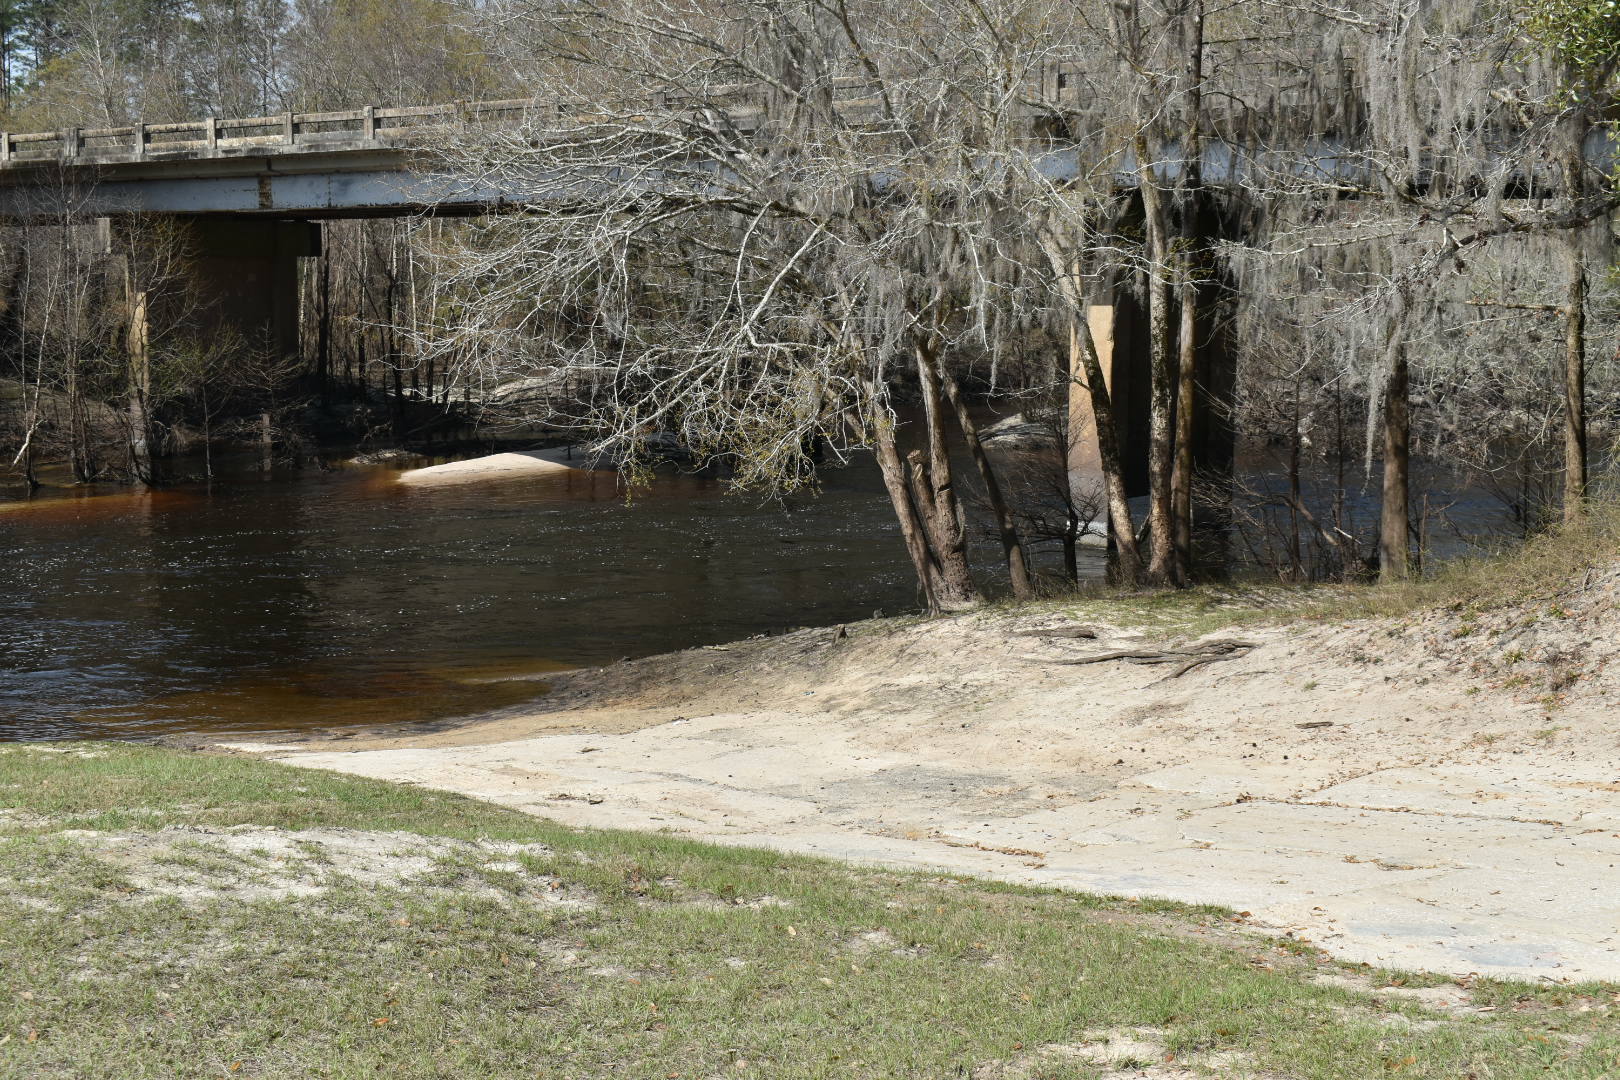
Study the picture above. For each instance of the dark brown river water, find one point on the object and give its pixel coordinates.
(325, 599)
(318, 599)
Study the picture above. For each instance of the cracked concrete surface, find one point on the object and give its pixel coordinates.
(1430, 827)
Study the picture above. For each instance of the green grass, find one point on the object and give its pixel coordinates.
(679, 959)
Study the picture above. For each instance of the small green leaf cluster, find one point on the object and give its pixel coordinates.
(1585, 34)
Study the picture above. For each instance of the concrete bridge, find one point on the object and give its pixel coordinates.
(248, 195)
(354, 163)
(308, 166)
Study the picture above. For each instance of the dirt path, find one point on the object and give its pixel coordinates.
(1348, 785)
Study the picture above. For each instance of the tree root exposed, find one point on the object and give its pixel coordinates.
(1193, 656)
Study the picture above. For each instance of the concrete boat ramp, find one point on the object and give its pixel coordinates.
(1489, 869)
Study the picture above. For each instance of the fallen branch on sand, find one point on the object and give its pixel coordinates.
(1059, 632)
(1193, 656)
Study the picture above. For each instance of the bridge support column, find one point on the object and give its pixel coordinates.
(237, 288)
(245, 276)
(1120, 332)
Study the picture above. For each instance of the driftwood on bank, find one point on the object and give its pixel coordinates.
(1059, 632)
(1186, 659)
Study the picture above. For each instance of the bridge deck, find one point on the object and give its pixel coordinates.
(358, 162)
(352, 163)
(365, 128)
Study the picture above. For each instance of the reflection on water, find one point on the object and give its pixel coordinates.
(326, 599)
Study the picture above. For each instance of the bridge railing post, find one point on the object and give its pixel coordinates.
(5, 147)
(70, 142)
(140, 140)
(288, 134)
(368, 123)
(211, 133)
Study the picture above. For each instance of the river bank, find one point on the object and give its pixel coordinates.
(196, 915)
(1360, 783)
(1433, 790)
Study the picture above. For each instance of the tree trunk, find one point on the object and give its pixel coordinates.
(1012, 546)
(1296, 557)
(1575, 388)
(1394, 540)
(142, 453)
(25, 455)
(1071, 548)
(935, 490)
(1189, 180)
(1181, 479)
(78, 424)
(399, 398)
(905, 511)
(208, 434)
(1086, 369)
(1161, 384)
(1575, 351)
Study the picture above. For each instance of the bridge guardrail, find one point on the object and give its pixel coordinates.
(135, 142)
(378, 126)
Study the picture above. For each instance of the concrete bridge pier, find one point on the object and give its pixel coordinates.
(1120, 331)
(244, 276)
(240, 275)
(230, 282)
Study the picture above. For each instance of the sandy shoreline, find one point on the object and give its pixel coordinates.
(1355, 786)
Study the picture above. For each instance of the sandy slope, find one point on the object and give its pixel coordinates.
(1453, 817)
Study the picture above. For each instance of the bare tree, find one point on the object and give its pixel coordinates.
(819, 203)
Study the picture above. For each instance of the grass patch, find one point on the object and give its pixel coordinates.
(1534, 573)
(509, 946)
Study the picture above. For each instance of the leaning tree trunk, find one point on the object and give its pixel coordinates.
(1011, 544)
(905, 511)
(1394, 537)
